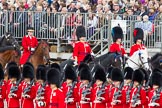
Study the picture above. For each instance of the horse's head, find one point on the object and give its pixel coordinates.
(10, 40)
(110, 59)
(156, 61)
(139, 60)
(43, 49)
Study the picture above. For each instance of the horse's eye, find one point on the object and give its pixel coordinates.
(142, 57)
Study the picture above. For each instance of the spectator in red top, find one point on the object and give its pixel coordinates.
(116, 46)
(81, 47)
(138, 38)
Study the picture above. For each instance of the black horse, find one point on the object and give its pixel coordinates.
(8, 42)
(156, 61)
(9, 50)
(106, 60)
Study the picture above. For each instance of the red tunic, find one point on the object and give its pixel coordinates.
(101, 104)
(81, 49)
(114, 47)
(13, 102)
(37, 87)
(142, 97)
(84, 104)
(28, 102)
(159, 101)
(126, 105)
(109, 87)
(54, 98)
(2, 94)
(122, 98)
(135, 48)
(27, 43)
(65, 88)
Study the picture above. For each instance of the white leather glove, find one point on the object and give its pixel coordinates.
(41, 103)
(137, 103)
(100, 98)
(69, 100)
(32, 49)
(126, 55)
(92, 54)
(75, 63)
(11, 95)
(25, 96)
(153, 104)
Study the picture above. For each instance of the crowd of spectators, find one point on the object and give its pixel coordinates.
(74, 12)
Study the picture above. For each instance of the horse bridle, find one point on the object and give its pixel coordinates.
(12, 42)
(44, 48)
(140, 58)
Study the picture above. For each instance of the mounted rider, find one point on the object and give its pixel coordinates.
(116, 46)
(81, 47)
(29, 43)
(138, 35)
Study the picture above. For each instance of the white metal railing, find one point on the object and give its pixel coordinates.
(63, 25)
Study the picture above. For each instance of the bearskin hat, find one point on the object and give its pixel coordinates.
(53, 76)
(1, 72)
(117, 75)
(83, 65)
(14, 72)
(56, 65)
(30, 64)
(85, 74)
(28, 71)
(138, 76)
(11, 64)
(30, 28)
(100, 73)
(138, 34)
(109, 70)
(128, 72)
(80, 31)
(116, 33)
(70, 73)
(157, 78)
(41, 72)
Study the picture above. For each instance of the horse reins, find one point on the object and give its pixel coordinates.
(45, 57)
(140, 58)
(133, 61)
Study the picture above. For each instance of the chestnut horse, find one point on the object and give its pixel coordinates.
(8, 56)
(41, 55)
(9, 50)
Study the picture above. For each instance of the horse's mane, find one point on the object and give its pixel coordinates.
(154, 57)
(108, 59)
(101, 57)
(2, 49)
(37, 46)
(40, 44)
